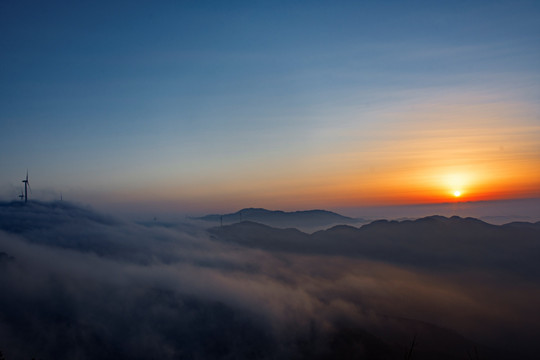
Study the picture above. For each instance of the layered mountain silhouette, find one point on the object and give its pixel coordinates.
(282, 219)
(73, 279)
(434, 242)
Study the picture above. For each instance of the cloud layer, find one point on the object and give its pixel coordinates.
(81, 285)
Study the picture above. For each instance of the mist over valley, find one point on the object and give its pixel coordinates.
(80, 284)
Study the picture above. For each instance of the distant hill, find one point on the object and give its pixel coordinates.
(458, 286)
(432, 242)
(282, 219)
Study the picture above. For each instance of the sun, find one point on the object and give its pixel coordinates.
(456, 184)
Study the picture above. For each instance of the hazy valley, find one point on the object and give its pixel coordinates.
(79, 284)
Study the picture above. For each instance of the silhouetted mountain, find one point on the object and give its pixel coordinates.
(252, 234)
(435, 242)
(283, 219)
(78, 284)
(19, 216)
(66, 225)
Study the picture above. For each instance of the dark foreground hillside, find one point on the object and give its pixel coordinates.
(76, 284)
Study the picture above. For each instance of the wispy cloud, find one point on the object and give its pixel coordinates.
(73, 279)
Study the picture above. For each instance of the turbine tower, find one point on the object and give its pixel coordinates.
(26, 187)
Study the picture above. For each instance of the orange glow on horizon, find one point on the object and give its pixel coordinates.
(446, 154)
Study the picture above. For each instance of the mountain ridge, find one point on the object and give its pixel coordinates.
(282, 219)
(433, 241)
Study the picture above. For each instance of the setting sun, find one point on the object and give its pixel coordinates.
(457, 193)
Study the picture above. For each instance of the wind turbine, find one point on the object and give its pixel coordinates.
(21, 196)
(26, 187)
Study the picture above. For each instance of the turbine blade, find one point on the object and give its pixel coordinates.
(29, 188)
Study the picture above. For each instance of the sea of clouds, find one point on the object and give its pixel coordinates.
(76, 284)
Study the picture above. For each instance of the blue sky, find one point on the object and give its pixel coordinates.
(200, 103)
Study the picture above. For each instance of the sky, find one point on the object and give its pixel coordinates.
(205, 106)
